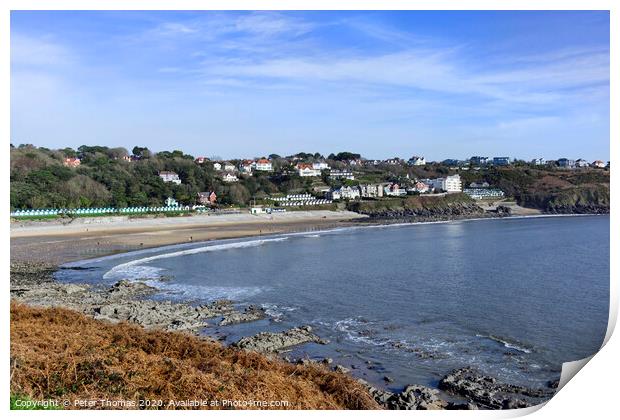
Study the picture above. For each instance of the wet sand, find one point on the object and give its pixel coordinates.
(56, 243)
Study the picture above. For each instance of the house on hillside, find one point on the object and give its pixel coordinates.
(263, 165)
(229, 167)
(501, 161)
(169, 176)
(449, 184)
(371, 190)
(320, 166)
(246, 166)
(394, 161)
(479, 160)
(394, 190)
(417, 161)
(307, 169)
(207, 197)
(355, 162)
(341, 174)
(228, 177)
(72, 162)
(539, 162)
(581, 163)
(598, 164)
(421, 187)
(217, 166)
(200, 160)
(344, 193)
(566, 163)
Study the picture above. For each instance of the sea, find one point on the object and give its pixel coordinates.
(513, 297)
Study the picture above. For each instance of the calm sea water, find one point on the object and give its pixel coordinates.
(513, 297)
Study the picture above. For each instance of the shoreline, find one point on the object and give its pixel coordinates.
(57, 243)
(53, 242)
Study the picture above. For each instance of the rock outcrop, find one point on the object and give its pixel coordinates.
(268, 342)
(488, 392)
(251, 313)
(414, 397)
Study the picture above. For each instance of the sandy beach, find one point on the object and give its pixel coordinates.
(56, 241)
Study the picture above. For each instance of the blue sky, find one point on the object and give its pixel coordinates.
(244, 84)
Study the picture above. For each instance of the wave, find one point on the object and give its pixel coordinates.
(354, 331)
(276, 312)
(130, 268)
(206, 293)
(506, 343)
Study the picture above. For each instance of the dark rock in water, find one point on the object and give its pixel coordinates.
(327, 361)
(414, 397)
(553, 384)
(251, 313)
(388, 379)
(126, 288)
(503, 211)
(268, 342)
(487, 392)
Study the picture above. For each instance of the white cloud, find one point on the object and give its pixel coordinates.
(440, 71)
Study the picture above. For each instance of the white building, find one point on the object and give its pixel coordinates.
(228, 177)
(246, 166)
(217, 166)
(320, 166)
(371, 190)
(168, 176)
(581, 163)
(344, 193)
(539, 161)
(484, 193)
(417, 161)
(395, 161)
(598, 164)
(307, 169)
(229, 167)
(394, 190)
(450, 183)
(338, 174)
(421, 187)
(263, 165)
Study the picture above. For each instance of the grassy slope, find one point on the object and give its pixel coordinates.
(549, 189)
(61, 354)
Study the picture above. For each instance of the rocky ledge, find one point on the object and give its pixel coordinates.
(125, 301)
(488, 392)
(268, 342)
(251, 313)
(454, 211)
(415, 397)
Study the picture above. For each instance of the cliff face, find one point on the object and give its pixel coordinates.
(583, 199)
(448, 207)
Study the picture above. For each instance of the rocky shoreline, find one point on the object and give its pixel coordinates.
(33, 284)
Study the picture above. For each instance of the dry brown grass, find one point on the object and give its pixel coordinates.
(61, 354)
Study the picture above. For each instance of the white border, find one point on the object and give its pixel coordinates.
(589, 395)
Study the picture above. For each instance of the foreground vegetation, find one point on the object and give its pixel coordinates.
(58, 354)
